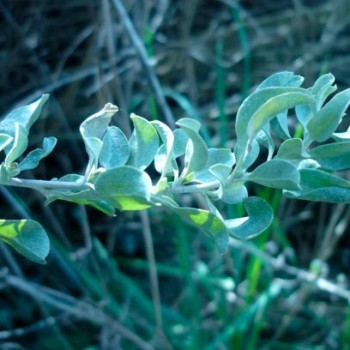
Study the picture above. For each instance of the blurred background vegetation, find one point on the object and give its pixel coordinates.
(146, 280)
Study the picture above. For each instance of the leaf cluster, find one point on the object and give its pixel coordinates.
(303, 165)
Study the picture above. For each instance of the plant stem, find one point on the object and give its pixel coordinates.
(49, 184)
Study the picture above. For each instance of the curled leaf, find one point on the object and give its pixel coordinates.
(260, 216)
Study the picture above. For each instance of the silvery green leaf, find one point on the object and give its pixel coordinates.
(321, 82)
(125, 187)
(27, 237)
(260, 107)
(260, 216)
(180, 142)
(220, 171)
(211, 223)
(83, 197)
(143, 143)
(165, 160)
(32, 159)
(276, 105)
(282, 79)
(18, 146)
(4, 174)
(332, 156)
(196, 154)
(291, 150)
(325, 122)
(216, 156)
(160, 160)
(317, 185)
(115, 149)
(264, 138)
(323, 88)
(234, 192)
(5, 140)
(25, 116)
(279, 125)
(304, 113)
(93, 130)
(276, 173)
(252, 155)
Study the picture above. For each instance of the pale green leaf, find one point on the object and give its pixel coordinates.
(325, 122)
(216, 156)
(276, 105)
(27, 237)
(82, 197)
(279, 125)
(265, 139)
(323, 88)
(143, 143)
(317, 185)
(5, 140)
(209, 222)
(291, 150)
(180, 142)
(234, 192)
(125, 187)
(25, 116)
(332, 156)
(260, 216)
(31, 161)
(220, 171)
(165, 159)
(282, 79)
(321, 82)
(304, 113)
(18, 146)
(196, 155)
(276, 173)
(115, 149)
(93, 130)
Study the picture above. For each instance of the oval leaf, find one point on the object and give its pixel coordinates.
(27, 237)
(276, 173)
(333, 156)
(115, 149)
(143, 143)
(125, 187)
(317, 185)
